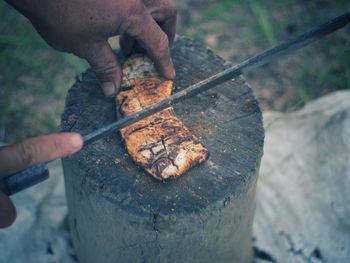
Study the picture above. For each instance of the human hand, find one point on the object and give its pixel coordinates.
(82, 27)
(17, 157)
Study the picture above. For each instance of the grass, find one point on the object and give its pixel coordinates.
(263, 21)
(34, 79)
(237, 30)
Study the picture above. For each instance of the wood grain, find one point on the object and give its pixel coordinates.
(212, 204)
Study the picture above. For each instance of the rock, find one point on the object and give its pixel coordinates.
(39, 234)
(303, 201)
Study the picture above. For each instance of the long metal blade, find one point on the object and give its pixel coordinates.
(228, 74)
(31, 176)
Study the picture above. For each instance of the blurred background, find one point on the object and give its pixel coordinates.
(34, 78)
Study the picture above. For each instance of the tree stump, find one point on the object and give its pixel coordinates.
(118, 213)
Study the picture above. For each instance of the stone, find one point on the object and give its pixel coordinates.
(303, 200)
(40, 232)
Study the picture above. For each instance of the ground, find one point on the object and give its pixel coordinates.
(34, 78)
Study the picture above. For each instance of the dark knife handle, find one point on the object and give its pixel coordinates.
(19, 181)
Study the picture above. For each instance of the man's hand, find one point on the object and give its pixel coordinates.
(82, 27)
(32, 151)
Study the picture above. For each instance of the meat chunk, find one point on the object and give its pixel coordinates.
(160, 143)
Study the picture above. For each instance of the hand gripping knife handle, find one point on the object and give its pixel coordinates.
(26, 178)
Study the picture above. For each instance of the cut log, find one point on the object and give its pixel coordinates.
(117, 213)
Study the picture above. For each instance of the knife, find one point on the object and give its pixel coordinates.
(21, 180)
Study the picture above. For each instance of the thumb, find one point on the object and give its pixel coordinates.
(29, 152)
(105, 65)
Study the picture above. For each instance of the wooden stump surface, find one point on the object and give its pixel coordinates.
(227, 120)
(116, 210)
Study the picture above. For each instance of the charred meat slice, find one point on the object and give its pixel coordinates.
(160, 143)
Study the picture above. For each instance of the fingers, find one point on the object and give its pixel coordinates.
(164, 13)
(105, 65)
(36, 150)
(152, 38)
(169, 27)
(7, 211)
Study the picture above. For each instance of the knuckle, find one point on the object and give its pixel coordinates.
(135, 11)
(27, 153)
(162, 46)
(165, 9)
(172, 7)
(105, 73)
(134, 18)
(105, 70)
(102, 61)
(57, 148)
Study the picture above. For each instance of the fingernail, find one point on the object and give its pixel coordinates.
(76, 141)
(109, 89)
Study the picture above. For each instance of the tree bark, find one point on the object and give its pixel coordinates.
(118, 213)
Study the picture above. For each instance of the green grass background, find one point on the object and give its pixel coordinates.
(239, 29)
(34, 79)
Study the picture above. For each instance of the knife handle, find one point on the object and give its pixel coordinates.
(21, 180)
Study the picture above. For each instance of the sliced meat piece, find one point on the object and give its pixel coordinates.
(160, 143)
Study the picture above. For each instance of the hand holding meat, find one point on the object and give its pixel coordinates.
(82, 27)
(17, 157)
